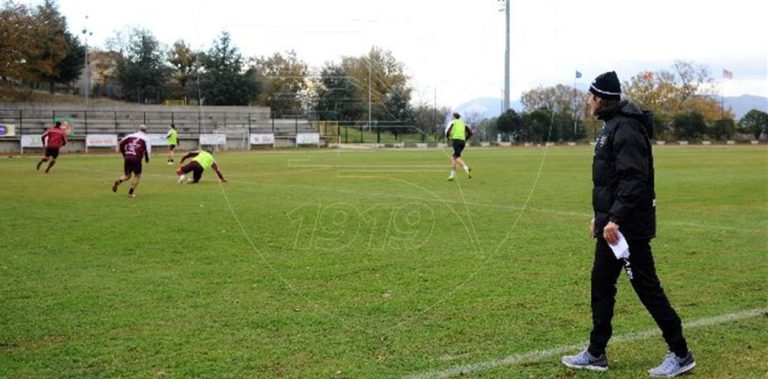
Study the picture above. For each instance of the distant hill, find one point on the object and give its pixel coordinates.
(486, 107)
(489, 107)
(741, 105)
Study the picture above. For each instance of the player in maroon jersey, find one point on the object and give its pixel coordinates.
(134, 147)
(53, 139)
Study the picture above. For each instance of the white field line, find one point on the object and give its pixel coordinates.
(538, 355)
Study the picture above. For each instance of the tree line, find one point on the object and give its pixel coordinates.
(37, 48)
(683, 100)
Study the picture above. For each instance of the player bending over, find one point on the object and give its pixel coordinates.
(201, 161)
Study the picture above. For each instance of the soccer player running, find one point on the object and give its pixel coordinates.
(53, 139)
(172, 137)
(133, 147)
(201, 160)
(458, 133)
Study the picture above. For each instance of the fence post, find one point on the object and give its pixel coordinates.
(362, 139)
(21, 132)
(378, 135)
(248, 134)
(85, 126)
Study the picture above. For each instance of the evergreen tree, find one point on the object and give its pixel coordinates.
(141, 70)
(222, 80)
(337, 97)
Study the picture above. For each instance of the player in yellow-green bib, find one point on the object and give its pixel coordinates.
(172, 138)
(458, 133)
(201, 160)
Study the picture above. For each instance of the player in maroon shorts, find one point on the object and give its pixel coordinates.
(53, 139)
(134, 147)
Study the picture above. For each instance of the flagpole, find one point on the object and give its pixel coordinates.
(506, 59)
(574, 107)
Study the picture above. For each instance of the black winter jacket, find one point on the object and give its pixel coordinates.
(622, 173)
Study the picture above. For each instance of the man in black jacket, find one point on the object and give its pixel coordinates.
(624, 204)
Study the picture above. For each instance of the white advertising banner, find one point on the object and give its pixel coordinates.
(262, 139)
(213, 139)
(31, 140)
(101, 140)
(157, 139)
(308, 139)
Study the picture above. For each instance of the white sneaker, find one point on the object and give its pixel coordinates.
(585, 360)
(673, 366)
(182, 178)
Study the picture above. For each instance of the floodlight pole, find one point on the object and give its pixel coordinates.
(369, 93)
(87, 79)
(506, 59)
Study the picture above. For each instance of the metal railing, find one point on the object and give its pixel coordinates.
(35, 121)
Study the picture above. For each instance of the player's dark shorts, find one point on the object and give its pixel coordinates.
(131, 165)
(458, 147)
(197, 170)
(171, 147)
(52, 152)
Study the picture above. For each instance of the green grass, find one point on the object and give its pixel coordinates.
(364, 264)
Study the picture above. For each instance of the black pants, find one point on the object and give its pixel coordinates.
(641, 270)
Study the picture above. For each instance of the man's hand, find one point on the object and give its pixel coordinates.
(611, 233)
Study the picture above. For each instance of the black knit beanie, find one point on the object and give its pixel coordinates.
(606, 86)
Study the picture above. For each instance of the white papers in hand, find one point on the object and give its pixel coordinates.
(621, 248)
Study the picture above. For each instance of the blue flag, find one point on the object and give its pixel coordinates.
(578, 74)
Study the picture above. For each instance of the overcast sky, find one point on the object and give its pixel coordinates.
(453, 50)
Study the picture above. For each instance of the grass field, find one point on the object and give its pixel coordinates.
(368, 264)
